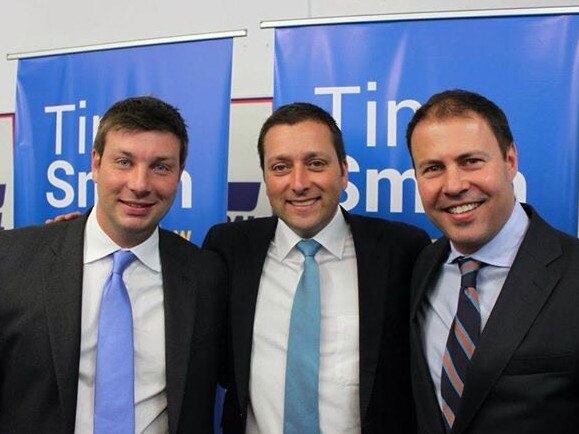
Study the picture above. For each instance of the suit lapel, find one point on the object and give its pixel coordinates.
(528, 286)
(62, 276)
(247, 274)
(371, 294)
(424, 275)
(180, 299)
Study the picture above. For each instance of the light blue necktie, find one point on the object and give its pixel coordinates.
(301, 415)
(114, 408)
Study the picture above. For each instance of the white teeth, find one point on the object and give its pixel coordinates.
(303, 202)
(463, 208)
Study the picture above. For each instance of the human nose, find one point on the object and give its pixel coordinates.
(455, 182)
(300, 179)
(139, 180)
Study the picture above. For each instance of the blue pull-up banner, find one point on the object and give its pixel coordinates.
(60, 100)
(373, 76)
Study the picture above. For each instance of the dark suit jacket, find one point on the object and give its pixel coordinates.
(41, 271)
(385, 253)
(524, 375)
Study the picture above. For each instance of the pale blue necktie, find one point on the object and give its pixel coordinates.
(114, 408)
(301, 415)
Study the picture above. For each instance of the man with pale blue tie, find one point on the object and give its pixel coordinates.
(318, 307)
(108, 323)
(494, 324)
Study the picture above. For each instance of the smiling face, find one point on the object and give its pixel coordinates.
(137, 177)
(464, 181)
(303, 175)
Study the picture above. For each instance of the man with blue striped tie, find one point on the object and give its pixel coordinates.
(494, 329)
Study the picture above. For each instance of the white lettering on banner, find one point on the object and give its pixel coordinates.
(396, 191)
(396, 180)
(352, 192)
(337, 92)
(371, 117)
(59, 111)
(393, 107)
(66, 189)
(520, 185)
(186, 190)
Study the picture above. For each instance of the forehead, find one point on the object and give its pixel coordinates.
(456, 133)
(306, 135)
(161, 142)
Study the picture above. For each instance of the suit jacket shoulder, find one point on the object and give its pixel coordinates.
(41, 291)
(230, 236)
(388, 233)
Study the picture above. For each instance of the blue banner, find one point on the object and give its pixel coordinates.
(372, 77)
(59, 102)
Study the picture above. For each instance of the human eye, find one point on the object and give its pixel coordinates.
(279, 167)
(473, 162)
(317, 164)
(162, 168)
(430, 169)
(123, 162)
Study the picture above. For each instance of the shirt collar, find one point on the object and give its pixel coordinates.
(332, 237)
(501, 250)
(97, 245)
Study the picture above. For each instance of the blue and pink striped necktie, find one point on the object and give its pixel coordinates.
(462, 341)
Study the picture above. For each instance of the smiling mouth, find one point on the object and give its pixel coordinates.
(136, 204)
(303, 203)
(460, 209)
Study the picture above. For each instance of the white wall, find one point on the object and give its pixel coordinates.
(32, 25)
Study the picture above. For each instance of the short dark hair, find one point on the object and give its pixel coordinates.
(143, 113)
(457, 103)
(291, 114)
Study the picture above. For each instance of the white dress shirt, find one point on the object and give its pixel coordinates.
(339, 341)
(144, 284)
(441, 303)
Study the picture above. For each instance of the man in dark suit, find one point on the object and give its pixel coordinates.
(495, 350)
(364, 273)
(51, 286)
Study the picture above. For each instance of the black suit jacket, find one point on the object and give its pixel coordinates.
(524, 375)
(41, 271)
(385, 253)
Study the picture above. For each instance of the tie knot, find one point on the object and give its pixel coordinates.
(468, 265)
(308, 247)
(469, 269)
(121, 260)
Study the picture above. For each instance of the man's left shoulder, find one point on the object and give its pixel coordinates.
(392, 231)
(542, 233)
(175, 245)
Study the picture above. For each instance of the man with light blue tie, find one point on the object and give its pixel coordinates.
(494, 324)
(109, 324)
(318, 307)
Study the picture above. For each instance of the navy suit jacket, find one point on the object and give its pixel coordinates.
(385, 253)
(41, 272)
(524, 374)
